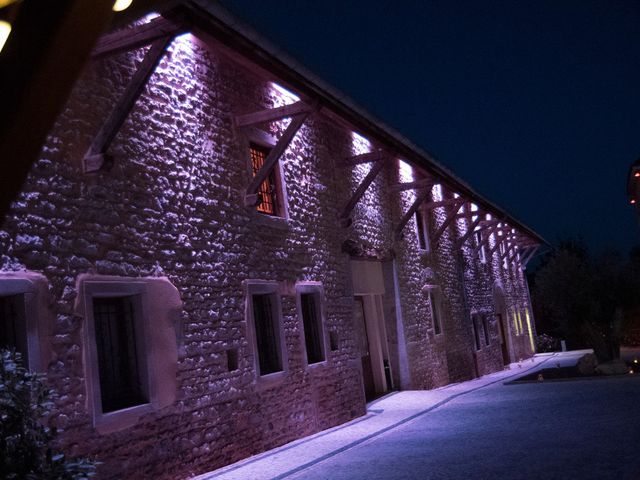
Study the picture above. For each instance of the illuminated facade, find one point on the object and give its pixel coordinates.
(238, 257)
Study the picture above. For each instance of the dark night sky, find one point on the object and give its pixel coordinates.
(535, 104)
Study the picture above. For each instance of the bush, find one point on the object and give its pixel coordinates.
(547, 343)
(25, 438)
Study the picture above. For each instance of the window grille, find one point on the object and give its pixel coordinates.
(118, 361)
(266, 334)
(267, 192)
(13, 329)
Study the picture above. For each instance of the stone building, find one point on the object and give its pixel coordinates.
(217, 253)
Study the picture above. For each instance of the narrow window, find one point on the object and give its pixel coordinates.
(422, 230)
(312, 324)
(118, 353)
(435, 313)
(485, 328)
(268, 190)
(481, 252)
(267, 332)
(13, 328)
(476, 333)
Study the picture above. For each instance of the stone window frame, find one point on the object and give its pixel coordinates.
(263, 139)
(158, 307)
(268, 287)
(34, 289)
(316, 289)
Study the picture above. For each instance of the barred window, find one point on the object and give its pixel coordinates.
(267, 330)
(312, 325)
(118, 353)
(13, 328)
(268, 190)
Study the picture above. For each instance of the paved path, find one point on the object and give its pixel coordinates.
(587, 429)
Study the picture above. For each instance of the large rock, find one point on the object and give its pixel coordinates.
(587, 364)
(614, 367)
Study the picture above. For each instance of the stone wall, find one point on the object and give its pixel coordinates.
(172, 205)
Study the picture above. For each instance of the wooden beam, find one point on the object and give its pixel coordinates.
(138, 36)
(470, 231)
(272, 114)
(470, 213)
(422, 196)
(120, 112)
(357, 195)
(417, 185)
(501, 239)
(272, 158)
(451, 216)
(441, 203)
(524, 261)
(375, 156)
(484, 241)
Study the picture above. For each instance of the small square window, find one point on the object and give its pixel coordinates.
(232, 359)
(312, 325)
(422, 230)
(269, 191)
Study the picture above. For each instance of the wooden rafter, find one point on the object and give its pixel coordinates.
(524, 261)
(422, 196)
(448, 220)
(138, 36)
(418, 184)
(440, 203)
(272, 114)
(500, 240)
(470, 231)
(375, 156)
(357, 195)
(470, 214)
(252, 198)
(95, 157)
(484, 240)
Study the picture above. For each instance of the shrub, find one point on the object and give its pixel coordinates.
(25, 438)
(547, 343)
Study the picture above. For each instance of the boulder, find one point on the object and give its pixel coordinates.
(587, 364)
(613, 367)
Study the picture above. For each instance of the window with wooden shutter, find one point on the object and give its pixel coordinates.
(267, 333)
(312, 325)
(268, 190)
(118, 352)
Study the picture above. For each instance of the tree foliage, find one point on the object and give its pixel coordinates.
(586, 297)
(25, 438)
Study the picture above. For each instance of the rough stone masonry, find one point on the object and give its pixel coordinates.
(165, 223)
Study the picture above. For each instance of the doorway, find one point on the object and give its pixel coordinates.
(501, 320)
(369, 328)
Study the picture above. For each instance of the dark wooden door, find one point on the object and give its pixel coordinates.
(362, 339)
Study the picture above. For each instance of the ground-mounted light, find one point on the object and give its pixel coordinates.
(632, 201)
(637, 174)
(121, 5)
